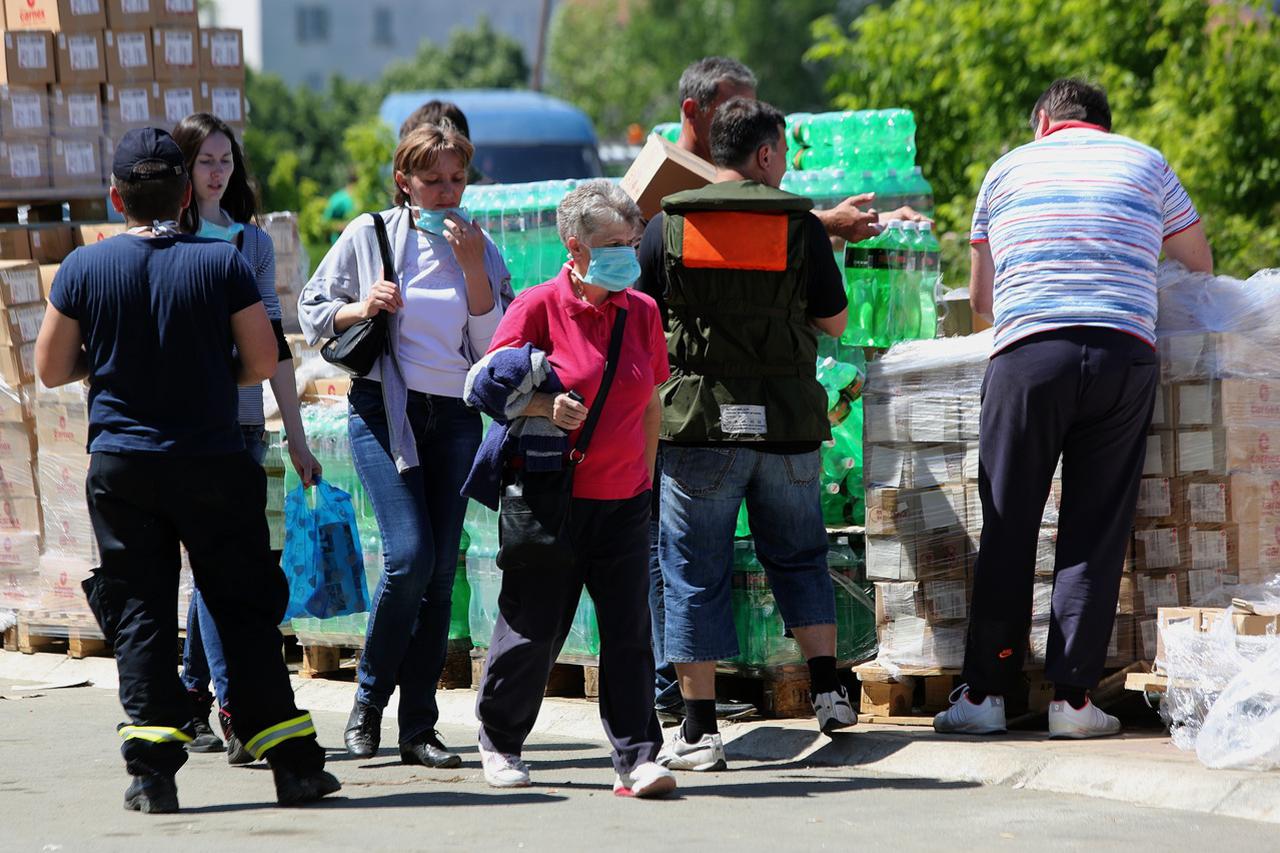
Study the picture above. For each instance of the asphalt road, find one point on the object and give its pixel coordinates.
(61, 786)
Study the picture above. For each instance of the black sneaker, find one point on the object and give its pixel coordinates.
(205, 740)
(426, 749)
(364, 730)
(236, 753)
(294, 788)
(152, 794)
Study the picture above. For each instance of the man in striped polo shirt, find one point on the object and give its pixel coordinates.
(1066, 236)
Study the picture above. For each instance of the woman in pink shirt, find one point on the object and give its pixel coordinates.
(571, 319)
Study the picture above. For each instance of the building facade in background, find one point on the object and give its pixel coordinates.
(307, 41)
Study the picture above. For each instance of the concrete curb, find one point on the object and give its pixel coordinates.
(1142, 770)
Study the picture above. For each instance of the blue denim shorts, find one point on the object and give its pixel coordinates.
(702, 489)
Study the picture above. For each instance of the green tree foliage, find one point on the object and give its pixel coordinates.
(620, 60)
(472, 59)
(1198, 80)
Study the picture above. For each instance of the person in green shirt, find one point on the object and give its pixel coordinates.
(340, 209)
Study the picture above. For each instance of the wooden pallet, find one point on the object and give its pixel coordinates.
(87, 204)
(341, 662)
(78, 642)
(571, 677)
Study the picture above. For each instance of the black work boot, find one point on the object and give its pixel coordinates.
(205, 740)
(364, 730)
(296, 787)
(236, 753)
(427, 749)
(152, 793)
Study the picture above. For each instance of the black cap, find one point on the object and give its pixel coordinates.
(147, 145)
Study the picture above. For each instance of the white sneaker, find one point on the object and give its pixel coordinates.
(705, 755)
(648, 780)
(1065, 721)
(970, 718)
(504, 771)
(834, 710)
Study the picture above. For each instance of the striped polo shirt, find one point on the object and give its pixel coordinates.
(1075, 221)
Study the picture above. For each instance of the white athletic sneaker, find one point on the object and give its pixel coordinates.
(504, 771)
(970, 718)
(646, 781)
(706, 754)
(1065, 721)
(834, 710)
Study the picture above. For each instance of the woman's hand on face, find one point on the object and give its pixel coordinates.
(567, 413)
(467, 241)
(383, 296)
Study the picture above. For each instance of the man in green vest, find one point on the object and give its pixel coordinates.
(747, 279)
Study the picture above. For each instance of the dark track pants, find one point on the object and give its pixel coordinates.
(1085, 394)
(535, 614)
(142, 507)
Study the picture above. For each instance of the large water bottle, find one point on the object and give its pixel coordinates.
(905, 311)
(918, 192)
(881, 273)
(900, 139)
(930, 278)
(891, 194)
(668, 130)
(857, 287)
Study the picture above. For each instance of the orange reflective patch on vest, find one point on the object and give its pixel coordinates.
(735, 240)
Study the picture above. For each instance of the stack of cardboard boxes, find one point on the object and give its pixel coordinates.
(76, 74)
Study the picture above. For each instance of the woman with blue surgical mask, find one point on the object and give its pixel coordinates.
(412, 437)
(572, 319)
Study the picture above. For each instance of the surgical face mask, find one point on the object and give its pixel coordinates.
(433, 220)
(614, 268)
(220, 232)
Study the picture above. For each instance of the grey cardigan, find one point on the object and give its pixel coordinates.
(349, 269)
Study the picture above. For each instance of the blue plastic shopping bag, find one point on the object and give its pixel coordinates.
(323, 559)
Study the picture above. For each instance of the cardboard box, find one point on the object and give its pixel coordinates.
(226, 101)
(131, 14)
(21, 324)
(1161, 501)
(77, 163)
(1234, 498)
(1162, 413)
(1246, 355)
(1208, 586)
(179, 101)
(19, 515)
(1214, 547)
(62, 428)
(16, 443)
(81, 58)
(884, 418)
(1159, 548)
(68, 16)
(945, 556)
(1251, 450)
(941, 465)
(27, 59)
(1244, 624)
(1162, 589)
(77, 111)
(17, 478)
(1191, 618)
(933, 418)
(50, 244)
(177, 12)
(129, 56)
(329, 386)
(24, 112)
(18, 365)
(934, 603)
(663, 169)
(19, 280)
(24, 164)
(222, 55)
(1130, 600)
(47, 274)
(132, 105)
(14, 244)
(1161, 456)
(1259, 548)
(87, 235)
(1188, 357)
(941, 509)
(886, 511)
(176, 54)
(1046, 551)
(1201, 451)
(19, 550)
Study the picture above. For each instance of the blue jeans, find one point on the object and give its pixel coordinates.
(666, 688)
(702, 491)
(419, 513)
(202, 656)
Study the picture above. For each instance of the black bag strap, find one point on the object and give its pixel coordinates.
(610, 368)
(388, 268)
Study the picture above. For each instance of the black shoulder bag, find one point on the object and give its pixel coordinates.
(358, 348)
(533, 510)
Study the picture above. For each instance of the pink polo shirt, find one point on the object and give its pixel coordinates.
(575, 336)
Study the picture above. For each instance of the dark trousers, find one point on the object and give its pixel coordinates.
(536, 608)
(143, 506)
(1084, 394)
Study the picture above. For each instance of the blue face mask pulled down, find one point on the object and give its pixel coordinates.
(220, 232)
(433, 220)
(615, 268)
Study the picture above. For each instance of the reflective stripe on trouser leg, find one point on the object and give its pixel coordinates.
(264, 740)
(155, 734)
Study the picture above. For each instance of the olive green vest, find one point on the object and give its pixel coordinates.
(741, 348)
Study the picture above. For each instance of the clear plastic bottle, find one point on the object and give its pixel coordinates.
(930, 260)
(918, 192)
